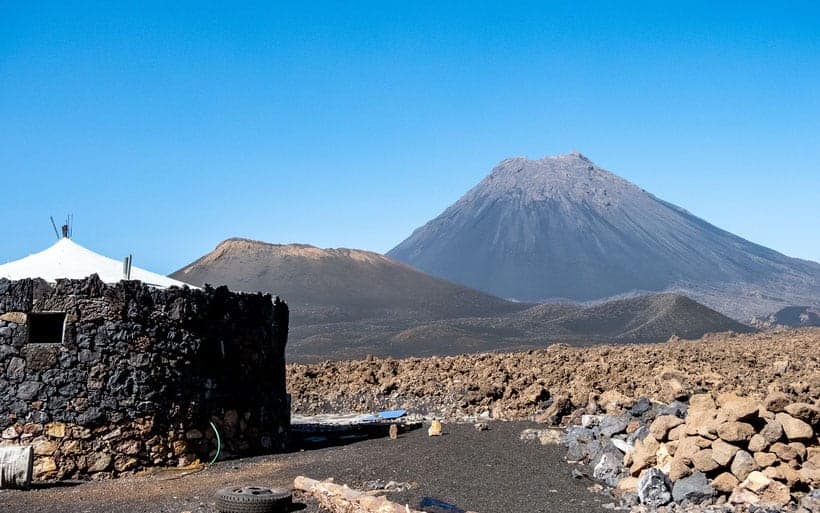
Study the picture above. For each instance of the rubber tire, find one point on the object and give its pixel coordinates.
(253, 499)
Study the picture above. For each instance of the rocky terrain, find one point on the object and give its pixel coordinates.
(727, 423)
(562, 227)
(349, 304)
(526, 384)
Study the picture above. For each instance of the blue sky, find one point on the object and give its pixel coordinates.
(167, 129)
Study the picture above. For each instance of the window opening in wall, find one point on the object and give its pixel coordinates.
(46, 327)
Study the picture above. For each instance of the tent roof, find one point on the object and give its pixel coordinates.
(67, 259)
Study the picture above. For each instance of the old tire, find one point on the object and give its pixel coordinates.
(253, 499)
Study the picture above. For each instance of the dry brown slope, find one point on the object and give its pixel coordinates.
(331, 285)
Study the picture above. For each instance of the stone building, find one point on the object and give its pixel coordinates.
(107, 378)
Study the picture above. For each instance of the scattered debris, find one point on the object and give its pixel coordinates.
(546, 436)
(435, 428)
(379, 486)
(481, 426)
(431, 505)
(341, 499)
(394, 431)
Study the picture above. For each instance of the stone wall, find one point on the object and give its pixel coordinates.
(140, 375)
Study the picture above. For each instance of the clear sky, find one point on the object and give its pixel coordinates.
(165, 130)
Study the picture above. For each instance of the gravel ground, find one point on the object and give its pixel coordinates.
(489, 471)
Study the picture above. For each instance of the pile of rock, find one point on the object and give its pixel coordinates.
(514, 386)
(716, 450)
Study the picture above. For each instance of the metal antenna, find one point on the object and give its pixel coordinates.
(54, 225)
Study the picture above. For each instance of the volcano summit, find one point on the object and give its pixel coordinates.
(562, 227)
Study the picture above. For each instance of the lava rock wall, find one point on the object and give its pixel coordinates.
(139, 376)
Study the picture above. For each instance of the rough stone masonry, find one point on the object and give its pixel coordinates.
(138, 375)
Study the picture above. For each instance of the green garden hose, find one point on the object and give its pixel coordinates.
(218, 443)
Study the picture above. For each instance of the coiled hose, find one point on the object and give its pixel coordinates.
(218, 443)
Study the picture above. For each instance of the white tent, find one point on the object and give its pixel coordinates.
(67, 259)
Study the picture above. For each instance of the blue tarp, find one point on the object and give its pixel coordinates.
(391, 414)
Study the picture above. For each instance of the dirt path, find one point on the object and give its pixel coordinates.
(490, 471)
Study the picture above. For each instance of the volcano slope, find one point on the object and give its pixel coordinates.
(562, 227)
(348, 303)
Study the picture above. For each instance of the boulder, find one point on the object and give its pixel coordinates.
(758, 443)
(679, 468)
(674, 384)
(776, 494)
(701, 402)
(783, 473)
(642, 406)
(676, 433)
(725, 482)
(742, 465)
(610, 425)
(806, 412)
(639, 434)
(621, 445)
(703, 461)
(735, 431)
(548, 436)
(764, 459)
(772, 431)
(723, 452)
(608, 469)
(810, 474)
(742, 496)
(643, 455)
(694, 488)
(613, 401)
(55, 430)
(99, 462)
(654, 488)
(811, 501)
(734, 407)
(689, 446)
(44, 447)
(661, 425)
(800, 448)
(783, 451)
(755, 481)
(793, 428)
(776, 402)
(561, 405)
(702, 422)
(44, 468)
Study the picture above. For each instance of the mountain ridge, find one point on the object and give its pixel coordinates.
(562, 227)
(348, 303)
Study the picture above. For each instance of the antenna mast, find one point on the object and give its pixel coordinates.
(54, 225)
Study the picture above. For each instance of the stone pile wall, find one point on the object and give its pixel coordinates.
(716, 450)
(139, 376)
